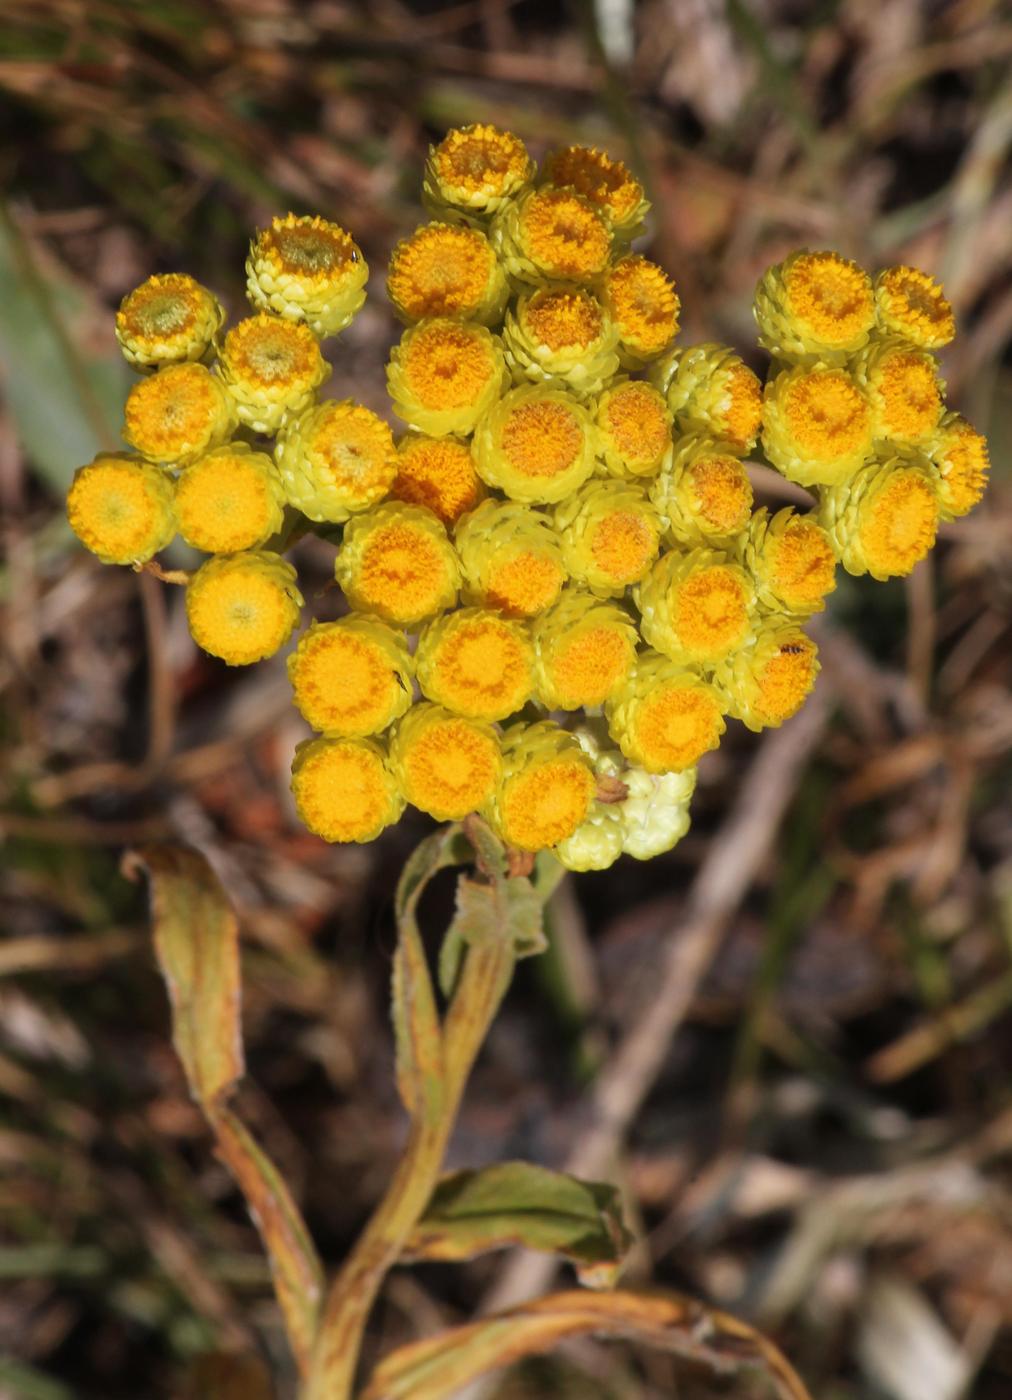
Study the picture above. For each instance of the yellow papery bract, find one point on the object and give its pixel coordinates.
(168, 319)
(961, 461)
(769, 680)
(229, 500)
(903, 388)
(511, 558)
(633, 429)
(351, 677)
(695, 607)
(177, 414)
(336, 459)
(912, 305)
(584, 650)
(665, 717)
(607, 183)
(437, 473)
(610, 535)
(814, 306)
(243, 607)
(446, 270)
(711, 390)
(344, 789)
(474, 170)
(272, 368)
(551, 234)
(791, 560)
(397, 562)
(444, 374)
(307, 269)
(446, 765)
(561, 336)
(644, 307)
(546, 789)
(537, 445)
(121, 508)
(476, 663)
(885, 518)
(703, 495)
(817, 425)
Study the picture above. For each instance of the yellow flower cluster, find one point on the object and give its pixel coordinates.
(558, 587)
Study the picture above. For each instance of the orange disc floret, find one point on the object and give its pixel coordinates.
(243, 607)
(695, 607)
(584, 650)
(351, 677)
(817, 425)
(121, 508)
(607, 183)
(474, 169)
(903, 388)
(769, 680)
(229, 500)
(444, 375)
(610, 535)
(397, 562)
(885, 518)
(272, 368)
(437, 473)
(177, 414)
(344, 789)
(961, 461)
(551, 233)
(814, 306)
(791, 560)
(704, 494)
(166, 320)
(446, 765)
(307, 269)
(912, 305)
(337, 458)
(537, 445)
(644, 306)
(476, 664)
(664, 717)
(446, 270)
(547, 787)
(634, 429)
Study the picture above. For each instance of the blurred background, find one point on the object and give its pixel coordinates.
(820, 1136)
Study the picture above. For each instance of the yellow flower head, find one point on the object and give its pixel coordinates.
(243, 607)
(536, 445)
(474, 169)
(561, 335)
(585, 649)
(476, 664)
(166, 320)
(551, 234)
(547, 786)
(814, 306)
(664, 717)
(273, 368)
(769, 680)
(444, 375)
(885, 518)
(633, 429)
(610, 535)
(596, 843)
(396, 561)
(912, 305)
(308, 270)
(352, 677)
(817, 425)
(344, 789)
(511, 558)
(446, 765)
(446, 270)
(644, 306)
(961, 460)
(177, 414)
(791, 560)
(121, 509)
(903, 388)
(229, 500)
(696, 607)
(438, 473)
(704, 495)
(607, 183)
(336, 459)
(711, 390)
